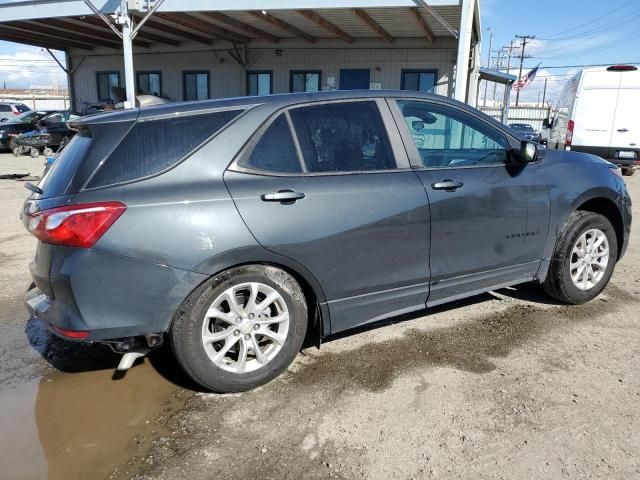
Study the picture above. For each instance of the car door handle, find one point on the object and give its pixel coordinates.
(623, 130)
(282, 196)
(447, 185)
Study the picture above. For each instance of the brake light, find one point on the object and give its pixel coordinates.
(569, 136)
(16, 113)
(622, 68)
(75, 225)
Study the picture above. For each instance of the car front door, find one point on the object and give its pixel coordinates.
(327, 186)
(489, 217)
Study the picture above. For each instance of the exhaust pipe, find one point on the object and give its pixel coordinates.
(133, 348)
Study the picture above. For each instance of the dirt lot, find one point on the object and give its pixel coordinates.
(504, 385)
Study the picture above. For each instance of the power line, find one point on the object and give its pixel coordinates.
(598, 19)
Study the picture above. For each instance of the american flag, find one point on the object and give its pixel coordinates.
(526, 79)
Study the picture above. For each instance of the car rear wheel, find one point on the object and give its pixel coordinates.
(241, 329)
(584, 259)
(628, 171)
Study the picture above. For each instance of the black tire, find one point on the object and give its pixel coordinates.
(558, 283)
(628, 171)
(186, 332)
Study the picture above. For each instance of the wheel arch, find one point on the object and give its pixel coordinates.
(319, 320)
(608, 209)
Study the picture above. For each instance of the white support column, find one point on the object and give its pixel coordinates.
(127, 52)
(464, 49)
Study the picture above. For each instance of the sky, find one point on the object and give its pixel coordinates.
(567, 32)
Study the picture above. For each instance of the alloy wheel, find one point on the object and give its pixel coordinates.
(245, 327)
(589, 259)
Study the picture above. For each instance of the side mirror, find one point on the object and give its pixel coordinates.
(528, 152)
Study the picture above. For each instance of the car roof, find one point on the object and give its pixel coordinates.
(275, 101)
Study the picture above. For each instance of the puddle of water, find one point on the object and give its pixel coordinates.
(80, 425)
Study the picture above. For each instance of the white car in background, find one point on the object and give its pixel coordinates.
(598, 112)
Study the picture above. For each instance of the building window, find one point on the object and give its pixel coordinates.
(259, 83)
(196, 85)
(149, 83)
(304, 81)
(419, 80)
(105, 81)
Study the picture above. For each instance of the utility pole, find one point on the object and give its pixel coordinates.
(544, 94)
(498, 66)
(484, 101)
(525, 39)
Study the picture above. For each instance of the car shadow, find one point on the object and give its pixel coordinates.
(76, 357)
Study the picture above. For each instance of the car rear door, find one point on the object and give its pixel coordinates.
(329, 187)
(489, 218)
(626, 127)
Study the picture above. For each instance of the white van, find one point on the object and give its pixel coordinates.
(599, 112)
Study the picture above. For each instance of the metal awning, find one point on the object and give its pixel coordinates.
(496, 76)
(72, 24)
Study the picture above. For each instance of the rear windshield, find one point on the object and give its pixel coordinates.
(152, 146)
(55, 181)
(22, 108)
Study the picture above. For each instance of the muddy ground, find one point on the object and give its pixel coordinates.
(503, 385)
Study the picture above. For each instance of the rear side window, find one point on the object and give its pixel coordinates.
(5, 108)
(275, 151)
(155, 145)
(343, 137)
(55, 181)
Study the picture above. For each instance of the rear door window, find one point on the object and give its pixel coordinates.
(343, 137)
(275, 151)
(152, 146)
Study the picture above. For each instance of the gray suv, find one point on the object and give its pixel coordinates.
(236, 229)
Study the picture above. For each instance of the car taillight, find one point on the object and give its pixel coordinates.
(75, 225)
(16, 113)
(569, 136)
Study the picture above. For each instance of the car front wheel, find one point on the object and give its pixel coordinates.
(584, 258)
(241, 329)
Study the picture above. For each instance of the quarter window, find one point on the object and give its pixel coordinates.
(343, 137)
(106, 80)
(152, 146)
(259, 83)
(275, 151)
(419, 80)
(305, 81)
(150, 83)
(446, 137)
(196, 85)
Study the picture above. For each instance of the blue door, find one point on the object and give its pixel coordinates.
(354, 79)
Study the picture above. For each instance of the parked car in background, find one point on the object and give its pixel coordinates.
(9, 111)
(24, 122)
(525, 131)
(50, 132)
(597, 113)
(236, 228)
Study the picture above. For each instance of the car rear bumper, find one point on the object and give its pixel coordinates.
(611, 154)
(106, 295)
